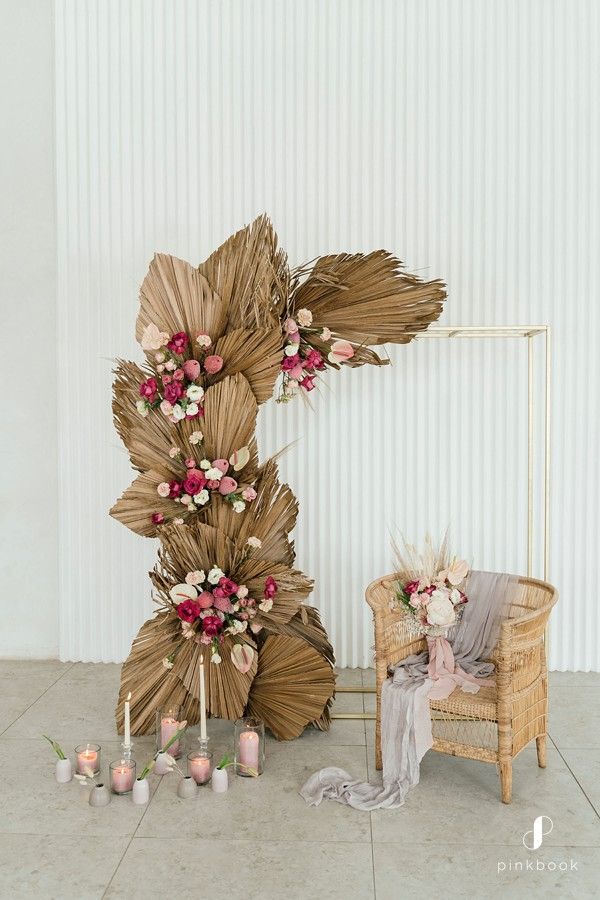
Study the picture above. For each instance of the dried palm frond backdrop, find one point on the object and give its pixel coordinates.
(242, 296)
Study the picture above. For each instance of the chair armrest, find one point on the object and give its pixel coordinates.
(394, 637)
(521, 658)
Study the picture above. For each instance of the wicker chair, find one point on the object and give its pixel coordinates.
(496, 723)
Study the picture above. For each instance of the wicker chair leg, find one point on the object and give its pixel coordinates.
(378, 758)
(540, 743)
(506, 780)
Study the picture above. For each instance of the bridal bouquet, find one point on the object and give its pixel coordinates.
(429, 586)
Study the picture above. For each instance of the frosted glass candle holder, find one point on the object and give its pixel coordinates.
(200, 765)
(122, 776)
(249, 747)
(87, 759)
(167, 724)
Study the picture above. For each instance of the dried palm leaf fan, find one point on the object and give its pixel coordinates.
(216, 338)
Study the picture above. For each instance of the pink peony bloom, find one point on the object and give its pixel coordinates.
(228, 586)
(290, 362)
(178, 343)
(314, 360)
(222, 465)
(205, 600)
(212, 625)
(249, 494)
(194, 482)
(213, 364)
(148, 390)
(192, 369)
(188, 611)
(174, 489)
(223, 604)
(173, 391)
(157, 518)
(228, 485)
(308, 383)
(270, 587)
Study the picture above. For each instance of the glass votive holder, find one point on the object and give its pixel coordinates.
(122, 776)
(249, 747)
(200, 765)
(87, 759)
(167, 724)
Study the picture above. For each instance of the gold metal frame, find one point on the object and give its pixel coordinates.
(529, 332)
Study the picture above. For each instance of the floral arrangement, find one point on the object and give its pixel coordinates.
(301, 359)
(429, 587)
(178, 396)
(211, 605)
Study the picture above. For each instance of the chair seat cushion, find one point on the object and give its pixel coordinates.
(481, 705)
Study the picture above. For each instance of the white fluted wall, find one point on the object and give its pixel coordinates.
(462, 135)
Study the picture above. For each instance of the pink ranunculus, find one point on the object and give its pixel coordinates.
(341, 351)
(212, 625)
(178, 374)
(228, 485)
(190, 463)
(166, 408)
(194, 482)
(148, 390)
(314, 360)
(173, 391)
(157, 518)
(192, 369)
(223, 604)
(308, 383)
(270, 587)
(213, 364)
(290, 326)
(213, 484)
(249, 494)
(188, 611)
(222, 465)
(289, 362)
(205, 600)
(228, 586)
(174, 489)
(429, 589)
(243, 602)
(167, 379)
(178, 343)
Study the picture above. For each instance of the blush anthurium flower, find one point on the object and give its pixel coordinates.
(242, 657)
(341, 351)
(153, 338)
(239, 459)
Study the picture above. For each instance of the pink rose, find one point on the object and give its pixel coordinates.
(205, 600)
(411, 587)
(289, 362)
(173, 391)
(228, 586)
(148, 390)
(178, 343)
(178, 374)
(213, 364)
(213, 484)
(157, 518)
(190, 463)
(223, 603)
(194, 482)
(270, 587)
(314, 360)
(249, 494)
(222, 465)
(308, 383)
(228, 485)
(192, 369)
(212, 625)
(188, 611)
(174, 489)
(167, 379)
(166, 408)
(297, 372)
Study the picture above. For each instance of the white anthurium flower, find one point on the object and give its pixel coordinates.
(204, 464)
(456, 572)
(181, 592)
(455, 596)
(178, 412)
(195, 392)
(239, 459)
(239, 506)
(202, 498)
(142, 408)
(153, 338)
(215, 574)
(291, 349)
(192, 410)
(214, 474)
(440, 610)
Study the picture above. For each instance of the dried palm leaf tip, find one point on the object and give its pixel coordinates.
(216, 339)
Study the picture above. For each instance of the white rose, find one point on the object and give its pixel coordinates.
(202, 498)
(326, 334)
(215, 574)
(142, 408)
(170, 366)
(192, 410)
(203, 340)
(204, 464)
(166, 408)
(178, 412)
(215, 658)
(195, 392)
(266, 605)
(196, 577)
(291, 349)
(213, 474)
(185, 499)
(440, 610)
(304, 317)
(163, 489)
(196, 437)
(239, 506)
(242, 591)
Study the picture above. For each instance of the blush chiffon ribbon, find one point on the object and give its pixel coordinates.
(406, 730)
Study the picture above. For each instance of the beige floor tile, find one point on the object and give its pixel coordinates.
(348, 677)
(585, 765)
(33, 802)
(569, 679)
(256, 869)
(24, 682)
(467, 871)
(269, 806)
(369, 677)
(572, 718)
(58, 868)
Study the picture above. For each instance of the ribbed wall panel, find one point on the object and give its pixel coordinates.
(462, 135)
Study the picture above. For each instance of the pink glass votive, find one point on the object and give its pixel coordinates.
(199, 765)
(122, 776)
(87, 759)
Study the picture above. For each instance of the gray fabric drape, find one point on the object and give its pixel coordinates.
(405, 720)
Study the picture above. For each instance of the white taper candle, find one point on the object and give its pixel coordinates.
(202, 701)
(127, 736)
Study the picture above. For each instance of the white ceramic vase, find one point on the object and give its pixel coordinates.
(99, 795)
(63, 771)
(141, 791)
(187, 788)
(219, 781)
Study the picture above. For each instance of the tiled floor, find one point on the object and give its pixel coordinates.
(453, 837)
